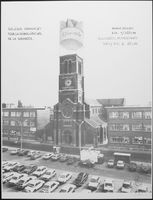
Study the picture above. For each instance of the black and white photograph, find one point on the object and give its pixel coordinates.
(76, 99)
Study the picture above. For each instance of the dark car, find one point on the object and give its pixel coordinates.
(35, 156)
(29, 169)
(23, 152)
(132, 167)
(63, 158)
(19, 168)
(4, 149)
(81, 179)
(71, 161)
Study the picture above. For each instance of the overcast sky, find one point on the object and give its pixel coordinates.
(30, 69)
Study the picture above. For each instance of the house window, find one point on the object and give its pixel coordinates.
(67, 123)
(147, 128)
(112, 127)
(125, 127)
(113, 115)
(18, 114)
(124, 115)
(147, 141)
(5, 122)
(147, 115)
(32, 123)
(32, 114)
(137, 127)
(124, 140)
(26, 114)
(12, 114)
(5, 113)
(65, 67)
(25, 123)
(136, 115)
(137, 140)
(12, 123)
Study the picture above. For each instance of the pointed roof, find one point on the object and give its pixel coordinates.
(95, 122)
(112, 102)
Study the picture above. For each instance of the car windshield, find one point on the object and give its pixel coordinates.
(21, 181)
(14, 177)
(62, 176)
(53, 185)
(31, 185)
(93, 180)
(126, 185)
(108, 184)
(46, 186)
(62, 190)
(39, 170)
(48, 173)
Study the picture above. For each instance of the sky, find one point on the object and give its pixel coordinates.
(30, 68)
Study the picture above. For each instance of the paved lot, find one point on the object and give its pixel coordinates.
(101, 170)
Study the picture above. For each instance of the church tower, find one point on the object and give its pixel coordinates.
(69, 112)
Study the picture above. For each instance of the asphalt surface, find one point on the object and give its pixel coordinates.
(100, 170)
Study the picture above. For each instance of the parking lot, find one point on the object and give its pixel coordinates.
(100, 169)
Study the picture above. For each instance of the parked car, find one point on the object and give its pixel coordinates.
(70, 161)
(23, 152)
(47, 156)
(35, 156)
(85, 191)
(39, 171)
(132, 167)
(81, 179)
(7, 176)
(142, 189)
(48, 175)
(15, 178)
(30, 153)
(108, 185)
(19, 168)
(64, 177)
(110, 163)
(10, 166)
(34, 185)
(55, 157)
(63, 158)
(68, 188)
(4, 149)
(126, 187)
(23, 182)
(49, 187)
(30, 169)
(120, 164)
(15, 152)
(94, 183)
(86, 163)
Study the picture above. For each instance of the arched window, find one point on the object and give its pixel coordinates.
(79, 67)
(70, 66)
(65, 67)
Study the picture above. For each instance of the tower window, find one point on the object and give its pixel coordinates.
(79, 67)
(65, 67)
(70, 67)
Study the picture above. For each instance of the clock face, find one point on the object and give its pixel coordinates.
(67, 111)
(68, 82)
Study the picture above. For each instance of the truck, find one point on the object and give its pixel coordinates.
(89, 157)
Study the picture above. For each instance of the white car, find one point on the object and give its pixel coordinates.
(50, 186)
(34, 185)
(23, 182)
(109, 185)
(69, 188)
(85, 191)
(7, 176)
(142, 189)
(40, 171)
(94, 182)
(120, 164)
(15, 178)
(64, 177)
(126, 187)
(47, 156)
(10, 166)
(48, 175)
